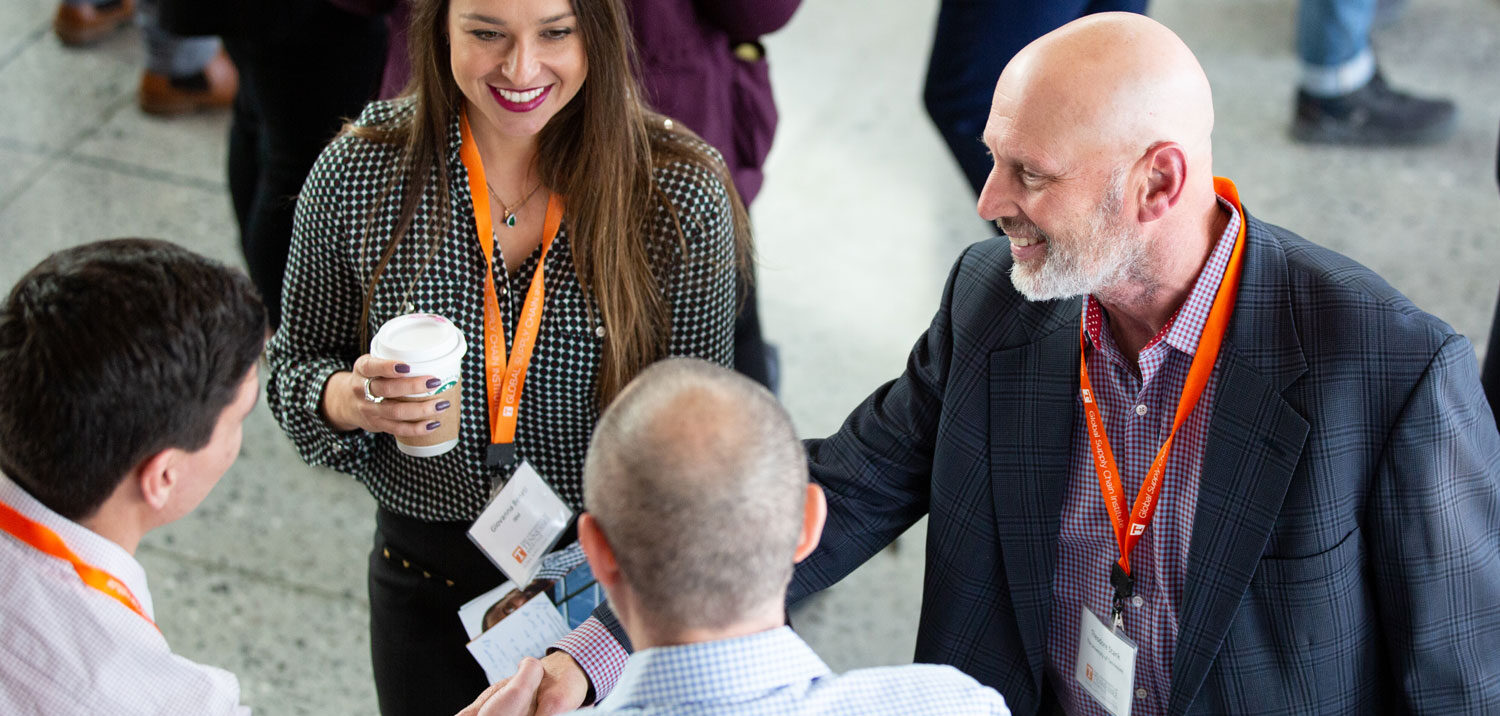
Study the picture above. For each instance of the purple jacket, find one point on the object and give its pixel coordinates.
(690, 73)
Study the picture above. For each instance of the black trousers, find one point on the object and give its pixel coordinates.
(1490, 376)
(420, 574)
(750, 355)
(301, 76)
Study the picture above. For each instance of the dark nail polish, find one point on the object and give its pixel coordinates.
(433, 425)
(442, 405)
(433, 383)
(403, 368)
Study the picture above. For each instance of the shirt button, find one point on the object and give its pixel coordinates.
(1141, 409)
(1140, 693)
(1138, 600)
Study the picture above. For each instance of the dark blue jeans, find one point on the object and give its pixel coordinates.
(974, 41)
(1332, 32)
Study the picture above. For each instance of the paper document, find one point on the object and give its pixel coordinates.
(528, 631)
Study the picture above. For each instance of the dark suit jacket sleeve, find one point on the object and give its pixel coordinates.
(1434, 512)
(877, 468)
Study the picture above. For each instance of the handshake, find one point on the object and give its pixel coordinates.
(552, 685)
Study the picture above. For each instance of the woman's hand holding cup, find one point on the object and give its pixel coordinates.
(358, 399)
(408, 385)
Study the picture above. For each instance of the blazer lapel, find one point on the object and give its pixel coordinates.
(1254, 444)
(1031, 429)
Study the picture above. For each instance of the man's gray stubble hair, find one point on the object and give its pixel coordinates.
(697, 479)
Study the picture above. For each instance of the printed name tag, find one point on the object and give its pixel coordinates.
(521, 524)
(1106, 664)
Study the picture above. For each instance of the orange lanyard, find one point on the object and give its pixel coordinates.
(44, 540)
(504, 378)
(1128, 529)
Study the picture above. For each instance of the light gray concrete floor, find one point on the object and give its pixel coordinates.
(862, 215)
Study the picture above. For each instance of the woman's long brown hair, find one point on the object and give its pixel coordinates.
(598, 152)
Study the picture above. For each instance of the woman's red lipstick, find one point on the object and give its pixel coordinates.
(526, 106)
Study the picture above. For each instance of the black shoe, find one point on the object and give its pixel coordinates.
(1373, 115)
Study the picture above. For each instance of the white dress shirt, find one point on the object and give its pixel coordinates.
(66, 648)
(774, 673)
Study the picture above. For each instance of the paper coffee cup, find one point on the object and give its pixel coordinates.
(433, 346)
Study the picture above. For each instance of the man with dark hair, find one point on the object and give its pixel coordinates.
(127, 369)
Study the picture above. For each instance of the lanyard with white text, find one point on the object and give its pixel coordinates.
(1128, 529)
(503, 379)
(44, 540)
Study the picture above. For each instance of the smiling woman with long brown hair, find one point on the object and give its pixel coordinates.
(523, 116)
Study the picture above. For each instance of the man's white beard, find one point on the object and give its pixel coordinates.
(1107, 252)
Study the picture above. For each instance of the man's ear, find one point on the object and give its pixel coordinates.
(156, 477)
(1166, 176)
(600, 555)
(814, 514)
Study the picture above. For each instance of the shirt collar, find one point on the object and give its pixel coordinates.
(1185, 327)
(89, 546)
(718, 670)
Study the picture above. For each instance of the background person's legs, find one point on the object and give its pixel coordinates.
(1342, 97)
(973, 42)
(183, 74)
(299, 80)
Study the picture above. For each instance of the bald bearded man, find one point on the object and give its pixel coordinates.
(1176, 460)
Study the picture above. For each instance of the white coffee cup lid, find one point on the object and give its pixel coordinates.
(417, 337)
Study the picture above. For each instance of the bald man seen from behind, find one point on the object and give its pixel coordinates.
(698, 507)
(1176, 460)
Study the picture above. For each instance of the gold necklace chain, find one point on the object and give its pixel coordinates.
(509, 217)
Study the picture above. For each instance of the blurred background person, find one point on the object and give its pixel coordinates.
(183, 74)
(702, 64)
(1491, 373)
(1343, 97)
(973, 42)
(305, 68)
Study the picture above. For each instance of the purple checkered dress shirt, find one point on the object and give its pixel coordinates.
(1138, 411)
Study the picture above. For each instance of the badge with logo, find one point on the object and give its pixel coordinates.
(521, 524)
(1106, 664)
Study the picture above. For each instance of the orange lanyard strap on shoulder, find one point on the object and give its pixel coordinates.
(504, 378)
(1129, 527)
(44, 540)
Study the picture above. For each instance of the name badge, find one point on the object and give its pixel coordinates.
(1106, 664)
(521, 524)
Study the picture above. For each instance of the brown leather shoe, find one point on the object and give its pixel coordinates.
(211, 88)
(79, 25)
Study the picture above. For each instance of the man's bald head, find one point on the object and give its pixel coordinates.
(1103, 173)
(1112, 82)
(697, 480)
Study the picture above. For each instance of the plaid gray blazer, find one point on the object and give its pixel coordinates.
(1345, 555)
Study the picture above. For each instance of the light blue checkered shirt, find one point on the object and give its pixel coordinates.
(775, 672)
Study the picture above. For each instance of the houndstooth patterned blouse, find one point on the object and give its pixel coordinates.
(345, 197)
